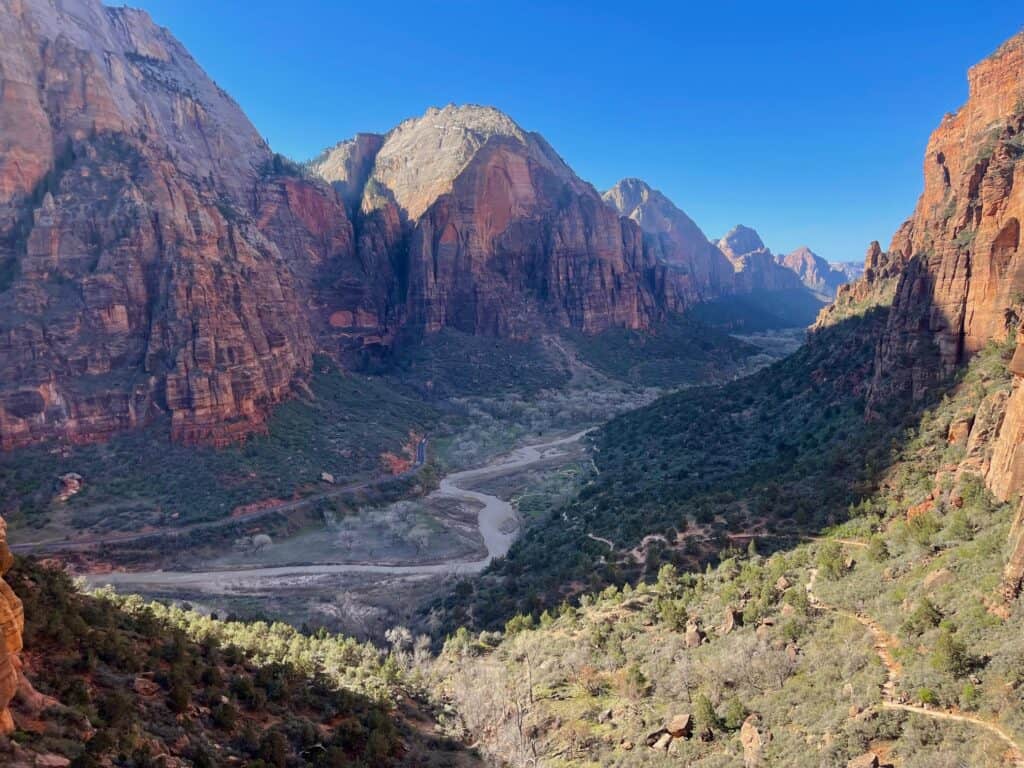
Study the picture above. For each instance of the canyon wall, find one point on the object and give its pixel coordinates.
(486, 230)
(961, 268)
(954, 275)
(155, 256)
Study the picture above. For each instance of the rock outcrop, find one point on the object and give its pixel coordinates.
(955, 275)
(153, 251)
(875, 287)
(12, 625)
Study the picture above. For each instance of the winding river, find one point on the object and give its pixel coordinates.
(496, 520)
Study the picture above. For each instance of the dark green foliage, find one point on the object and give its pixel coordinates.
(342, 424)
(760, 311)
(279, 165)
(705, 715)
(830, 559)
(450, 363)
(96, 649)
(950, 655)
(681, 351)
(924, 616)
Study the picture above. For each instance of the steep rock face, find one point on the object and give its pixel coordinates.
(471, 223)
(12, 625)
(963, 272)
(875, 287)
(138, 277)
(699, 269)
(814, 272)
(348, 165)
(955, 274)
(755, 266)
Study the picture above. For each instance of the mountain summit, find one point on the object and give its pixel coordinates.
(419, 160)
(681, 243)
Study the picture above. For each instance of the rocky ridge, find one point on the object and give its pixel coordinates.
(756, 267)
(700, 270)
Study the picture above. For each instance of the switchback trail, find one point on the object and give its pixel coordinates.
(885, 644)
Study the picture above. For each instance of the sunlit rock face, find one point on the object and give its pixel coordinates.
(489, 231)
(960, 257)
(699, 270)
(814, 272)
(151, 258)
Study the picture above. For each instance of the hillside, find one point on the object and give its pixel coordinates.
(120, 682)
(882, 639)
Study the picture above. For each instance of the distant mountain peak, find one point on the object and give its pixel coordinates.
(814, 272)
(740, 240)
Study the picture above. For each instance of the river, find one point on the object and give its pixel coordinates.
(496, 520)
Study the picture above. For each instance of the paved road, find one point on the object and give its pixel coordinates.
(43, 547)
(496, 521)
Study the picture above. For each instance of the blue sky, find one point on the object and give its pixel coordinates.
(807, 121)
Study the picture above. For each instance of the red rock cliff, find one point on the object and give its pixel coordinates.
(12, 625)
(152, 258)
(488, 231)
(962, 273)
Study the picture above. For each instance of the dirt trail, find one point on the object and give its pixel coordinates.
(885, 644)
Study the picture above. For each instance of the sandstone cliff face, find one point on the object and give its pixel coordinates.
(955, 275)
(153, 262)
(962, 272)
(480, 226)
(814, 272)
(12, 625)
(698, 268)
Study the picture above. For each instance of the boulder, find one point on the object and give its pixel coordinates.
(680, 726)
(145, 687)
(327, 477)
(729, 620)
(661, 745)
(70, 484)
(693, 636)
(753, 741)
(652, 737)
